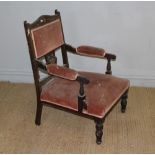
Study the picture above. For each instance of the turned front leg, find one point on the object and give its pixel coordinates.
(99, 130)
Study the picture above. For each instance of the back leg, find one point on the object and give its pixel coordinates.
(124, 101)
(38, 113)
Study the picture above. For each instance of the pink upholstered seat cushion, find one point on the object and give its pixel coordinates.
(102, 92)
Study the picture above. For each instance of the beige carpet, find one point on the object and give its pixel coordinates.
(62, 132)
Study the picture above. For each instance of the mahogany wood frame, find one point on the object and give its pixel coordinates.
(38, 65)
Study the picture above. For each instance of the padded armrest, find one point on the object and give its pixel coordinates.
(62, 72)
(91, 51)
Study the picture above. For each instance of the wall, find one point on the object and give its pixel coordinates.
(123, 28)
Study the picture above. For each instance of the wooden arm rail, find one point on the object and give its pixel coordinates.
(100, 52)
(93, 52)
(70, 48)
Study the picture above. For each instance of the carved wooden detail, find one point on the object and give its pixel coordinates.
(99, 130)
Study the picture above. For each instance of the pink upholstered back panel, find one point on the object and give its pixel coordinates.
(47, 38)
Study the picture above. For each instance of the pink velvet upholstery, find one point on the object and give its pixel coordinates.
(91, 51)
(47, 38)
(101, 93)
(62, 72)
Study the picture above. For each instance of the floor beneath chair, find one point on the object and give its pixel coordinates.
(62, 132)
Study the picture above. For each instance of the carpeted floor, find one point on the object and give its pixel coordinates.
(62, 132)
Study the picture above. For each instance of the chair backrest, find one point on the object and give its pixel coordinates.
(47, 38)
(45, 35)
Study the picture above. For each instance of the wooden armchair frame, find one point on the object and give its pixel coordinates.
(47, 63)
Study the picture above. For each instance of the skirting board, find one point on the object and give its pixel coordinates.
(141, 81)
(17, 76)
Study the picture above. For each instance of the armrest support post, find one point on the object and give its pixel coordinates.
(109, 58)
(108, 71)
(81, 97)
(93, 52)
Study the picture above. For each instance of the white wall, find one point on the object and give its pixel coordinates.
(126, 29)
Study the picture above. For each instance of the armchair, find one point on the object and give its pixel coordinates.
(91, 95)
